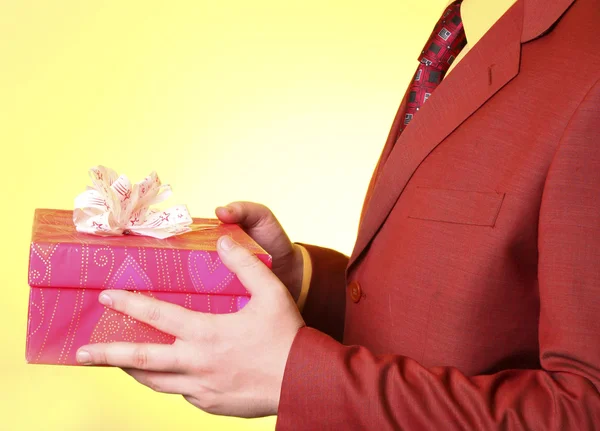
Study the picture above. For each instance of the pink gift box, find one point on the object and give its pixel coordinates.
(68, 269)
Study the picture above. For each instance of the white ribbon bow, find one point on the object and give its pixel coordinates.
(112, 206)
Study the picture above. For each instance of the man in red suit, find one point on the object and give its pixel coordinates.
(472, 297)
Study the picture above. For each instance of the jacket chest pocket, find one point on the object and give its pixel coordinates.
(456, 206)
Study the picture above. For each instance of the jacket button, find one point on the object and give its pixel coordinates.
(355, 291)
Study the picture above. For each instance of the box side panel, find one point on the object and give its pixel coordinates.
(93, 266)
(62, 320)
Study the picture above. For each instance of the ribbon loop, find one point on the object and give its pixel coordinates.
(113, 206)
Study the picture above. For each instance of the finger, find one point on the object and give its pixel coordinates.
(261, 224)
(249, 215)
(253, 274)
(164, 316)
(154, 357)
(166, 383)
(227, 215)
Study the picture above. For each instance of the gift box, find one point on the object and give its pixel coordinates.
(68, 269)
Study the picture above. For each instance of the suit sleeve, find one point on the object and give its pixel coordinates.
(325, 304)
(330, 386)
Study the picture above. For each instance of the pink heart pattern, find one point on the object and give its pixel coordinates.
(206, 271)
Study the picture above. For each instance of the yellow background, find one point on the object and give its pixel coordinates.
(282, 102)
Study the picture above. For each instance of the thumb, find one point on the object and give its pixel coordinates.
(254, 275)
(259, 222)
(247, 214)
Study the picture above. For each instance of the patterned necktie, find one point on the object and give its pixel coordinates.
(444, 45)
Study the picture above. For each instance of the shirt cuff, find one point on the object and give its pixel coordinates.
(306, 277)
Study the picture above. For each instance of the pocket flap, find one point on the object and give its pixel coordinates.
(456, 206)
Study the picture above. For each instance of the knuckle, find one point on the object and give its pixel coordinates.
(266, 215)
(264, 210)
(208, 402)
(249, 261)
(99, 357)
(202, 363)
(153, 313)
(140, 358)
(122, 307)
(196, 329)
(154, 385)
(240, 207)
(213, 330)
(258, 214)
(196, 401)
(190, 399)
(198, 364)
(178, 360)
(178, 364)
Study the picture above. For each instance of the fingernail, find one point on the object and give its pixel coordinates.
(84, 357)
(226, 243)
(225, 208)
(105, 300)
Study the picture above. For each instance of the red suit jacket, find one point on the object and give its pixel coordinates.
(472, 297)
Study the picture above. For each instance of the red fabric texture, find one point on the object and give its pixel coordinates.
(478, 252)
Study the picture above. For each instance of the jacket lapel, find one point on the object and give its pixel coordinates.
(488, 66)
